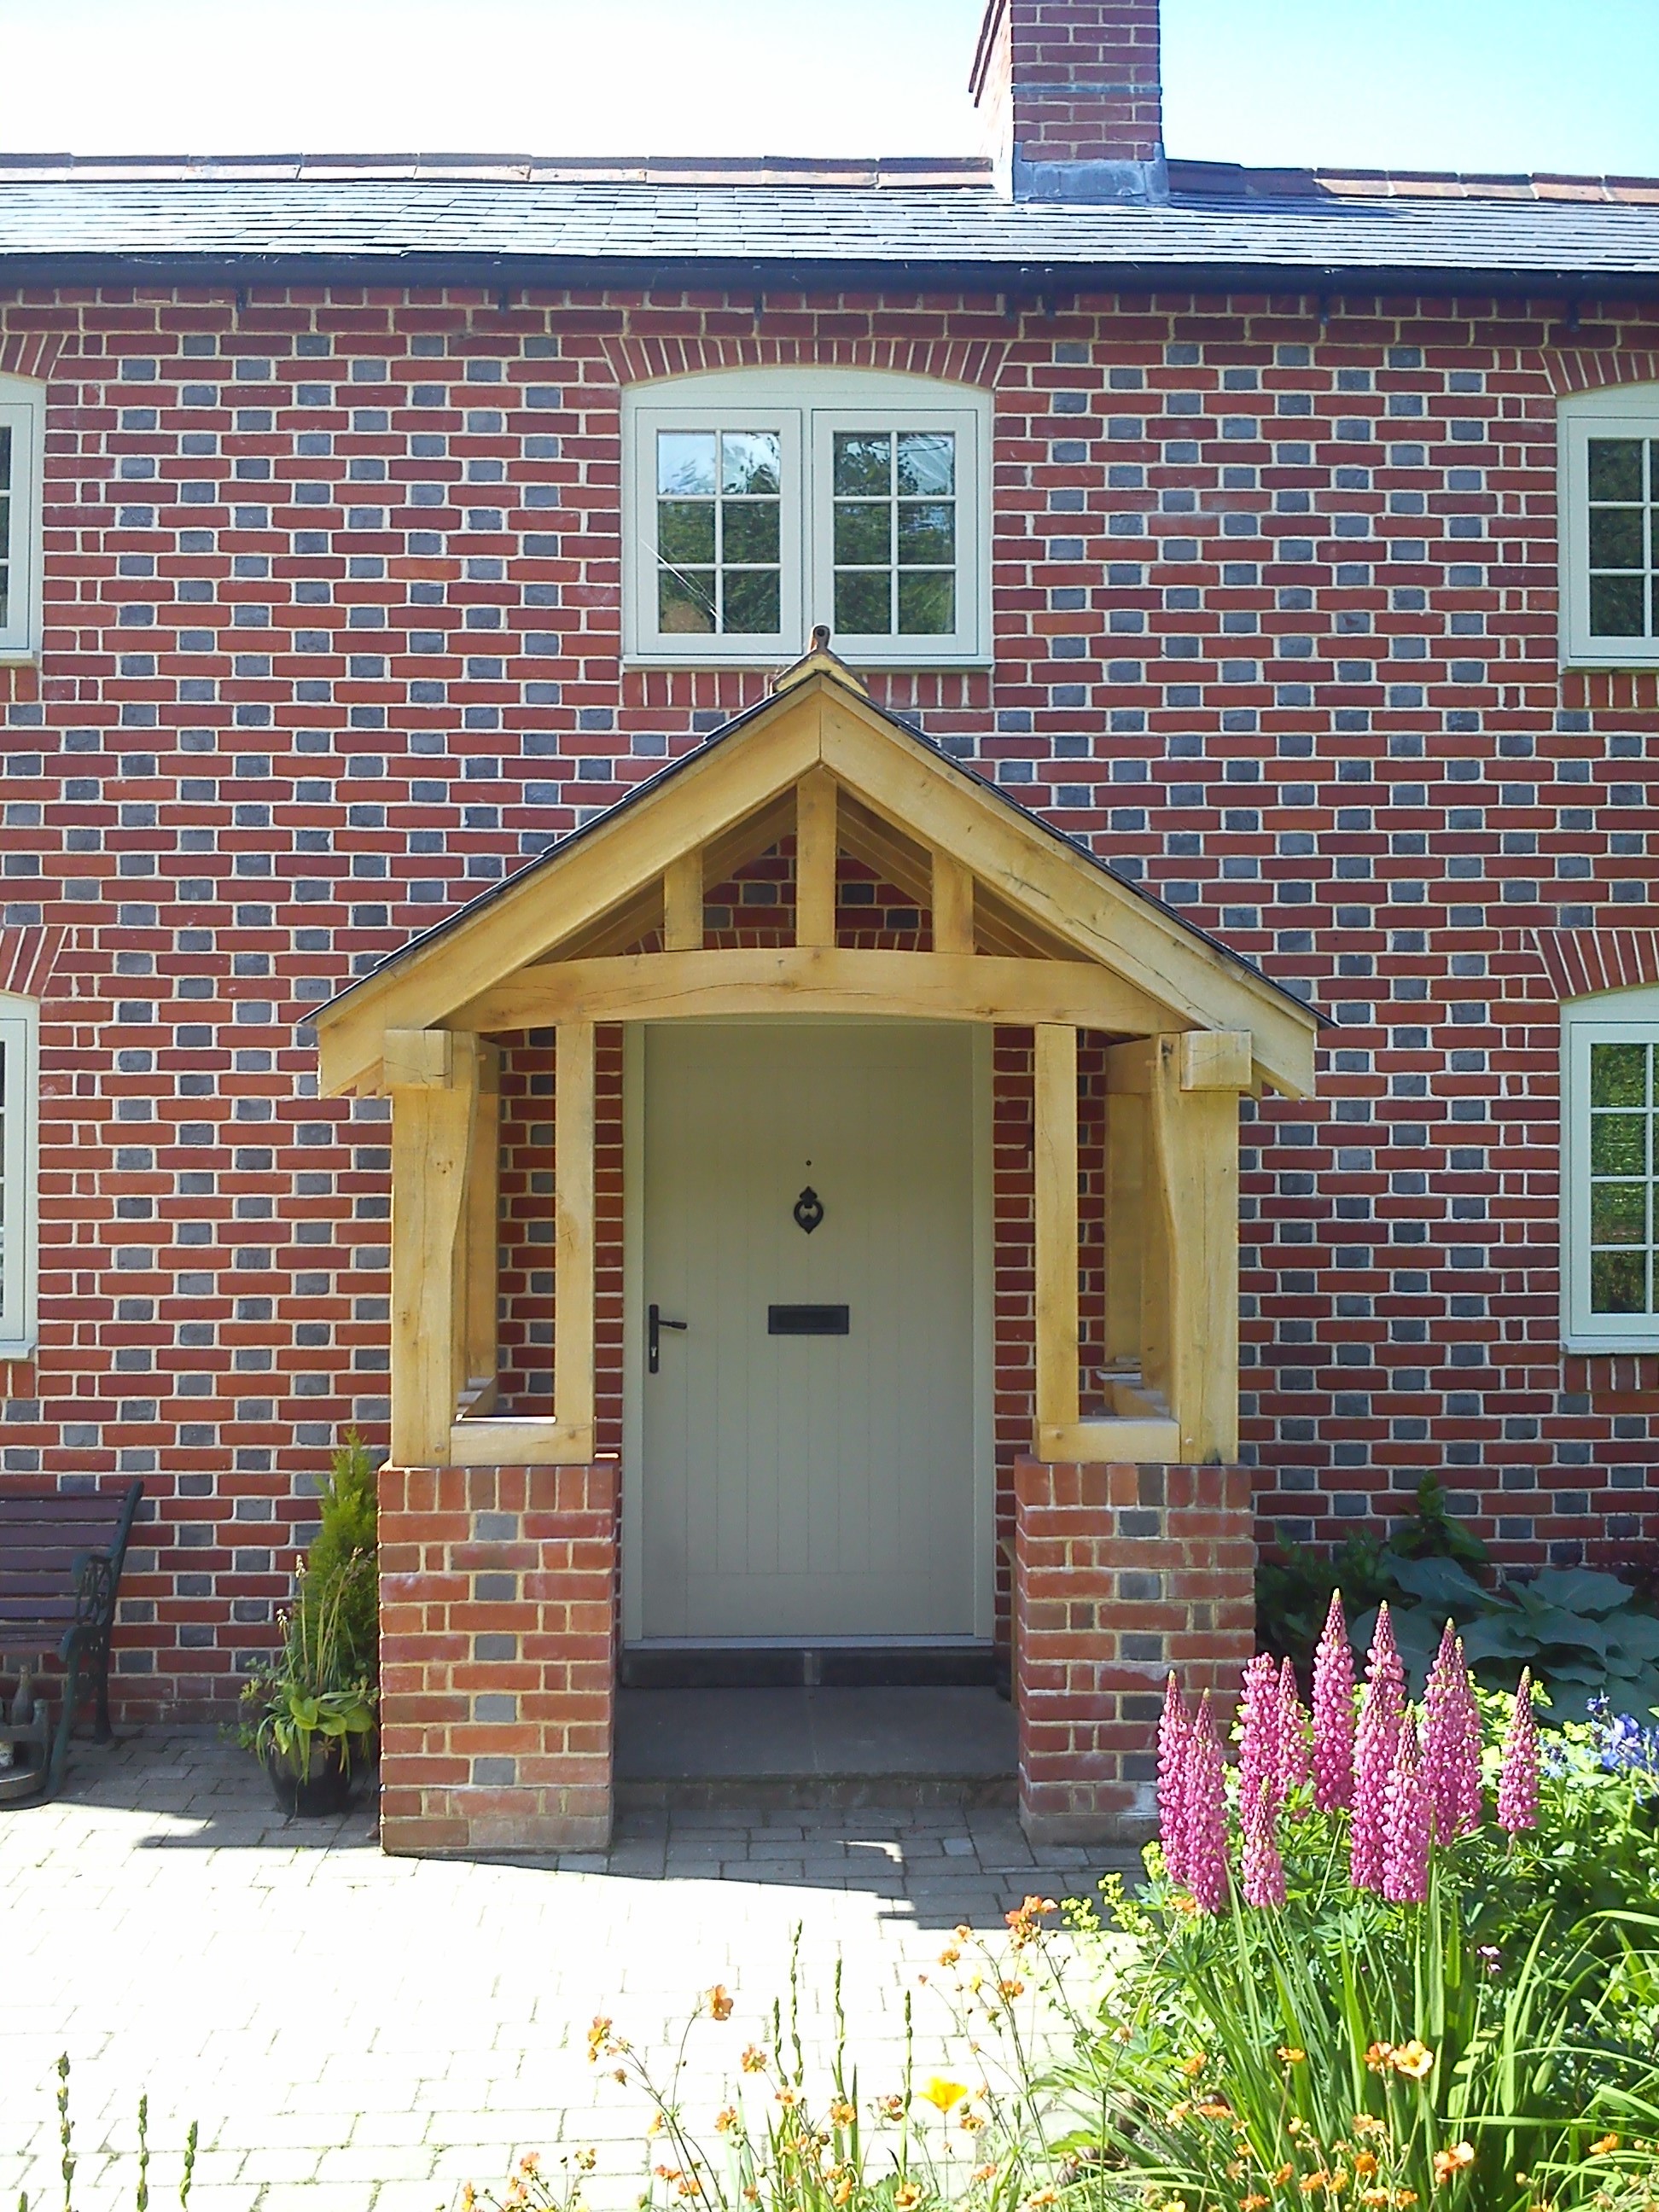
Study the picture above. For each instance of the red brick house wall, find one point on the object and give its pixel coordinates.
(333, 622)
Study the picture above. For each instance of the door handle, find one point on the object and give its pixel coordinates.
(655, 1325)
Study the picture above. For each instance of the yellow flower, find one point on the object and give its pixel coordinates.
(1413, 2060)
(1603, 2145)
(719, 2003)
(1289, 2055)
(597, 2035)
(943, 2094)
(843, 2189)
(843, 2115)
(906, 2197)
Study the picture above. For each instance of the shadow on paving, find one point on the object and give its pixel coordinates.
(932, 1865)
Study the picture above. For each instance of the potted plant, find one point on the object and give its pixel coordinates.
(308, 1712)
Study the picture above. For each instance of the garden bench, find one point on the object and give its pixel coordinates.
(61, 1555)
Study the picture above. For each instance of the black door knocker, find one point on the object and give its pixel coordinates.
(809, 1210)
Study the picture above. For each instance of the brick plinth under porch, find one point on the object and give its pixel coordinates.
(1121, 1573)
(497, 1613)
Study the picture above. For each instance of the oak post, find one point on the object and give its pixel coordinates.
(573, 1176)
(953, 904)
(682, 904)
(1054, 1107)
(1196, 1145)
(431, 1144)
(815, 859)
(482, 1234)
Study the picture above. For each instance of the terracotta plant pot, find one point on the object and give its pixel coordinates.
(322, 1794)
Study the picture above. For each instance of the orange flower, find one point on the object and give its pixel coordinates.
(1367, 2123)
(906, 2197)
(1449, 2162)
(1603, 2145)
(1282, 2174)
(1413, 2060)
(754, 2060)
(597, 2036)
(1253, 2203)
(950, 1956)
(843, 2115)
(719, 2003)
(725, 2119)
(1364, 2164)
(843, 2189)
(1195, 2064)
(1216, 2109)
(1289, 2055)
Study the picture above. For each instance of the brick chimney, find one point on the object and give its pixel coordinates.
(1069, 95)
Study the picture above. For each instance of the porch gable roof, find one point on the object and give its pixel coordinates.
(818, 718)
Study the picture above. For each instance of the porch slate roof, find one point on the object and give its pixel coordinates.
(556, 222)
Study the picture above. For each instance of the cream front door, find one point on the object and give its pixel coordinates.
(808, 1436)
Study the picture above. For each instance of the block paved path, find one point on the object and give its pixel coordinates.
(380, 2030)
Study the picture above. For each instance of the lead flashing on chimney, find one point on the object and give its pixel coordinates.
(1125, 184)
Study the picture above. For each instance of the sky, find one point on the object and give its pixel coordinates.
(1472, 84)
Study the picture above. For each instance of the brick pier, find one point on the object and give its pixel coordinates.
(498, 1668)
(1121, 1573)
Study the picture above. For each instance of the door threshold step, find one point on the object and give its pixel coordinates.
(817, 1793)
(823, 1666)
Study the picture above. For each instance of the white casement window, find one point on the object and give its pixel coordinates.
(19, 1033)
(1609, 528)
(22, 442)
(760, 503)
(1610, 1171)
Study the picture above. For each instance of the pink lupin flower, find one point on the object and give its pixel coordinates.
(1206, 1815)
(1451, 1743)
(1374, 1750)
(1408, 1823)
(1175, 1730)
(1517, 1780)
(1264, 1869)
(1292, 1744)
(1332, 1713)
(1258, 1736)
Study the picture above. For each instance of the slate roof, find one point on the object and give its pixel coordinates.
(591, 222)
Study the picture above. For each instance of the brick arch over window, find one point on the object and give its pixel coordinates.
(1586, 368)
(1582, 962)
(644, 360)
(31, 353)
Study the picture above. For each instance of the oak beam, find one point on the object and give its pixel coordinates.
(431, 1145)
(953, 904)
(793, 979)
(1196, 1146)
(682, 904)
(1112, 1439)
(815, 861)
(1054, 1107)
(574, 1219)
(521, 1443)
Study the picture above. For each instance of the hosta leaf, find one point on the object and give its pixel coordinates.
(1499, 1636)
(1581, 1589)
(1443, 1586)
(1635, 1637)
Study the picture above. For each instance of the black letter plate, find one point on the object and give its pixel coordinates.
(807, 1321)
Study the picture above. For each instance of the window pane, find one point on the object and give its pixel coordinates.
(864, 461)
(926, 534)
(750, 602)
(685, 530)
(1618, 1075)
(863, 604)
(750, 461)
(1619, 1213)
(928, 603)
(1618, 1143)
(5, 457)
(926, 461)
(1615, 468)
(1619, 1282)
(686, 601)
(749, 531)
(5, 523)
(1616, 606)
(686, 461)
(1616, 538)
(862, 529)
